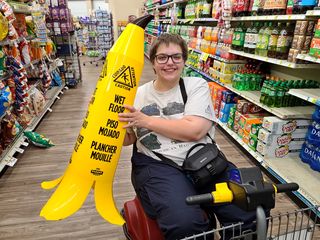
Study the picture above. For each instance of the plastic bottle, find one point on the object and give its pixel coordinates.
(260, 35)
(238, 37)
(207, 5)
(265, 40)
(284, 42)
(289, 9)
(313, 135)
(264, 90)
(255, 7)
(272, 47)
(272, 94)
(279, 95)
(247, 38)
(271, 7)
(254, 38)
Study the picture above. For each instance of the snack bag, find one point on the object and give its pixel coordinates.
(38, 139)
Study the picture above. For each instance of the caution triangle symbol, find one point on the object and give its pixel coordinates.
(125, 78)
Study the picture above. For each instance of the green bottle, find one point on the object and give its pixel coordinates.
(272, 94)
(264, 91)
(280, 95)
(265, 40)
(259, 41)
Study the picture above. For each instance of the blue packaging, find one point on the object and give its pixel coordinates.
(229, 97)
(223, 117)
(226, 107)
(316, 114)
(313, 135)
(311, 154)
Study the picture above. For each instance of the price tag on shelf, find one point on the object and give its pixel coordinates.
(204, 56)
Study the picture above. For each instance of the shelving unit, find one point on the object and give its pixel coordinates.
(311, 95)
(283, 63)
(293, 17)
(286, 170)
(254, 97)
(307, 57)
(216, 57)
(7, 158)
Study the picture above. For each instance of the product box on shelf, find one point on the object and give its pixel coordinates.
(253, 141)
(231, 68)
(225, 107)
(278, 151)
(291, 139)
(229, 97)
(279, 126)
(255, 129)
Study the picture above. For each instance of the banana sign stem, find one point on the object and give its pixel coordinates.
(98, 146)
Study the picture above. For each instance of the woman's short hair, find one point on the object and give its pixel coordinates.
(167, 38)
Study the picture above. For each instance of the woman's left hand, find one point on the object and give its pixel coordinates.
(134, 117)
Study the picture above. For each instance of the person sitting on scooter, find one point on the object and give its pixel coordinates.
(160, 122)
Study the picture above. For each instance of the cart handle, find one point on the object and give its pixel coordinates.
(286, 187)
(224, 195)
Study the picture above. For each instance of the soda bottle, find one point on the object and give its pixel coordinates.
(260, 35)
(274, 7)
(260, 7)
(238, 37)
(253, 38)
(247, 39)
(265, 40)
(289, 10)
(272, 94)
(284, 42)
(255, 7)
(272, 47)
(242, 7)
(279, 95)
(206, 9)
(264, 90)
(285, 97)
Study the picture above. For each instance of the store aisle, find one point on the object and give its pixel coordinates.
(21, 197)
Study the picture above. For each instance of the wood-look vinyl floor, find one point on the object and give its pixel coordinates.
(21, 197)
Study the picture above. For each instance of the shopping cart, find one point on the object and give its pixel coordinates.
(246, 189)
(249, 195)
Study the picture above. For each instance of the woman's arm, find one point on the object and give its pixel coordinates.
(188, 128)
(130, 137)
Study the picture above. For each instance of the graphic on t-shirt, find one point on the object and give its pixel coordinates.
(142, 131)
(151, 142)
(173, 108)
(151, 110)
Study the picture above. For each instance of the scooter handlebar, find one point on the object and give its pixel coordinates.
(199, 199)
(286, 187)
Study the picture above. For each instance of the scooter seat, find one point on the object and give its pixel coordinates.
(138, 225)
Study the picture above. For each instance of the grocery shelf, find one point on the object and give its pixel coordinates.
(274, 61)
(270, 17)
(313, 13)
(5, 77)
(187, 20)
(286, 170)
(7, 157)
(309, 94)
(217, 57)
(282, 112)
(254, 97)
(307, 57)
(166, 5)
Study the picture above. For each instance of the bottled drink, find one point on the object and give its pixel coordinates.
(272, 47)
(272, 94)
(279, 95)
(264, 90)
(253, 38)
(241, 8)
(271, 7)
(284, 42)
(260, 35)
(206, 9)
(265, 40)
(255, 7)
(238, 37)
(247, 39)
(289, 10)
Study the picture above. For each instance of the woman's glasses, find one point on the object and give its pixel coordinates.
(164, 58)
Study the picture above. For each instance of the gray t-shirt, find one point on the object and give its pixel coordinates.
(170, 105)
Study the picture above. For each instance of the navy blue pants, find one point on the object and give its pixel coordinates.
(162, 190)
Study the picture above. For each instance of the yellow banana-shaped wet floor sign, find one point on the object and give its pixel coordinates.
(97, 149)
